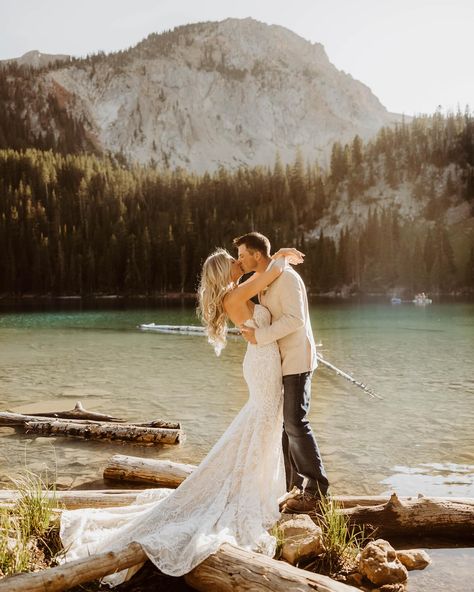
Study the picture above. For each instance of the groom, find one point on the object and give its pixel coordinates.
(291, 328)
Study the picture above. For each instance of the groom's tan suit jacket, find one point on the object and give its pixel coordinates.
(287, 301)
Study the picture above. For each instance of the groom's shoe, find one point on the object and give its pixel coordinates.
(305, 503)
(295, 492)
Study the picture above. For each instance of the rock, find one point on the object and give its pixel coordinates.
(354, 579)
(414, 558)
(391, 588)
(64, 482)
(378, 563)
(302, 539)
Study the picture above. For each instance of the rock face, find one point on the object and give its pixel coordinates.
(378, 563)
(414, 559)
(302, 539)
(210, 94)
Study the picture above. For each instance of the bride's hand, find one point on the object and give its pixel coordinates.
(293, 255)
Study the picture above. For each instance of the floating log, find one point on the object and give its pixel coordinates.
(79, 412)
(230, 568)
(159, 423)
(105, 431)
(10, 419)
(417, 516)
(146, 470)
(182, 329)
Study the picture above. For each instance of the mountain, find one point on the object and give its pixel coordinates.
(213, 94)
(36, 59)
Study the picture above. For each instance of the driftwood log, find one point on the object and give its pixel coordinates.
(421, 516)
(79, 423)
(230, 568)
(105, 431)
(73, 500)
(79, 412)
(106, 498)
(10, 419)
(165, 473)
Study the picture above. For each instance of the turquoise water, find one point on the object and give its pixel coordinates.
(418, 439)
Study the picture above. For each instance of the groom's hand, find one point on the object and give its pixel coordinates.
(248, 334)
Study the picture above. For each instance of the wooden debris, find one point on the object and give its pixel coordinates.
(105, 431)
(417, 516)
(165, 473)
(79, 423)
(75, 499)
(68, 575)
(231, 568)
(79, 412)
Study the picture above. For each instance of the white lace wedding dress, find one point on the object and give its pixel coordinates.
(232, 496)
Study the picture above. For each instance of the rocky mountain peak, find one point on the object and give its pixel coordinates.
(212, 94)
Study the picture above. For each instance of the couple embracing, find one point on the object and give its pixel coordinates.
(234, 494)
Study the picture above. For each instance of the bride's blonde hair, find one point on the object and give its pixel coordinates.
(215, 282)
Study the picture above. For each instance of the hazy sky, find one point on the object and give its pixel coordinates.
(413, 54)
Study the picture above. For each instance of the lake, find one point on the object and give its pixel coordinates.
(418, 439)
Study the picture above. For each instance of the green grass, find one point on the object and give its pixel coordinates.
(278, 533)
(28, 532)
(341, 540)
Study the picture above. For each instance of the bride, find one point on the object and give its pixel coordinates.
(232, 496)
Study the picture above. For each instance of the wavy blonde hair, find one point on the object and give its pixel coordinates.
(215, 282)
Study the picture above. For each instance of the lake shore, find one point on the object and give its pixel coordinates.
(77, 301)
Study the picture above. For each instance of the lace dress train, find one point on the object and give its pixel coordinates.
(232, 496)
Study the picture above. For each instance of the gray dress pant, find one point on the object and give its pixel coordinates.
(300, 449)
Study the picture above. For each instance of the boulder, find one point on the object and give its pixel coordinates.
(378, 563)
(302, 539)
(391, 588)
(414, 558)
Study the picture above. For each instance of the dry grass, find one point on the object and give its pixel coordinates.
(28, 529)
(341, 540)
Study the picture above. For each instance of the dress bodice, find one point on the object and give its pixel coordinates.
(261, 317)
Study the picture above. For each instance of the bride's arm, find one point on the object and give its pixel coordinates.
(260, 281)
(290, 254)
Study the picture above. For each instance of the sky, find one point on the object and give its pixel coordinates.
(415, 55)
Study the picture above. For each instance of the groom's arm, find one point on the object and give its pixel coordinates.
(293, 317)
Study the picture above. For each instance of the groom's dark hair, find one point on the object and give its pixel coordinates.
(254, 241)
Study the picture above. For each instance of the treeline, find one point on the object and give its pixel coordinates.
(80, 224)
(34, 115)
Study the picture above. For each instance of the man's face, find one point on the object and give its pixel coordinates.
(248, 259)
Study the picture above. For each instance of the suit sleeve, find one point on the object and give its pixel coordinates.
(293, 317)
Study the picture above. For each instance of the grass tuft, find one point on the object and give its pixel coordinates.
(343, 542)
(27, 527)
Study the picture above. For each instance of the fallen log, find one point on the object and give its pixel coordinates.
(230, 568)
(165, 473)
(73, 500)
(106, 498)
(105, 431)
(74, 573)
(79, 412)
(417, 516)
(12, 419)
(159, 423)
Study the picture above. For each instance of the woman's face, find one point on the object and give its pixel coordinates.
(235, 270)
